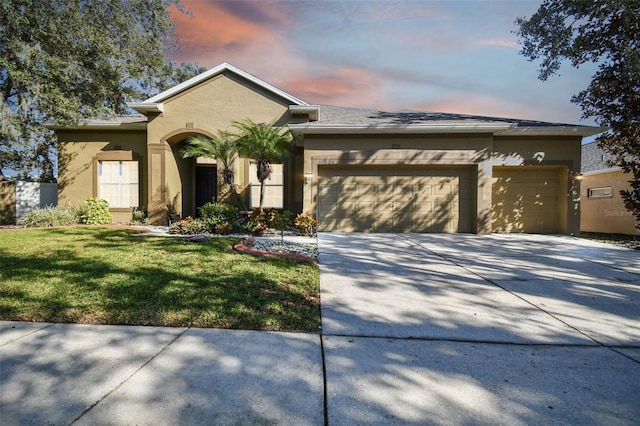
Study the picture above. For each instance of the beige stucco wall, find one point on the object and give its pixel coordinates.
(482, 150)
(205, 109)
(76, 163)
(606, 215)
(392, 149)
(537, 150)
(563, 152)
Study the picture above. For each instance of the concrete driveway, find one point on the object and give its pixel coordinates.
(468, 329)
(416, 329)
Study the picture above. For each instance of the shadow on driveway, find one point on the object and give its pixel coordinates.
(469, 329)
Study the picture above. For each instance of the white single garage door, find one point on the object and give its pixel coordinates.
(395, 198)
(526, 200)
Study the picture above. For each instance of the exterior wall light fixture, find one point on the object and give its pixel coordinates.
(573, 175)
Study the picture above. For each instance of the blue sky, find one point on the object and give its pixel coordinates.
(447, 56)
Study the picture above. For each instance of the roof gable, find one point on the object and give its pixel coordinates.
(155, 103)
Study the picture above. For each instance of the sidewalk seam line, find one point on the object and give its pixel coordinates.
(505, 289)
(27, 335)
(126, 379)
(324, 382)
(487, 342)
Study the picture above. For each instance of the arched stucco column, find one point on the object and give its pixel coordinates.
(165, 183)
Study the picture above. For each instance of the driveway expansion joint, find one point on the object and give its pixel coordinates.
(507, 290)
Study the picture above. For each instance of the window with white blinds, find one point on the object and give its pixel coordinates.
(118, 183)
(273, 187)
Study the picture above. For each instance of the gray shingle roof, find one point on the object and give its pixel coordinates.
(118, 119)
(336, 115)
(594, 159)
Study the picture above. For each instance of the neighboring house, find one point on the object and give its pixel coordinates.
(355, 169)
(602, 207)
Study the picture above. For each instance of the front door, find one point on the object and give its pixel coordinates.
(206, 185)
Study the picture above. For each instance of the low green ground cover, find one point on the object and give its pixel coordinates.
(106, 275)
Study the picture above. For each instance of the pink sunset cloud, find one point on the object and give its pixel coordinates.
(346, 86)
(257, 43)
(214, 31)
(378, 55)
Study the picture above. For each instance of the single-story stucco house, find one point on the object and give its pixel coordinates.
(602, 207)
(354, 169)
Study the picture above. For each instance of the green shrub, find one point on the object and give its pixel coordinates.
(95, 211)
(189, 226)
(139, 217)
(221, 218)
(305, 222)
(260, 220)
(219, 212)
(49, 216)
(224, 228)
(281, 222)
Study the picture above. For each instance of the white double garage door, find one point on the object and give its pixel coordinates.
(434, 199)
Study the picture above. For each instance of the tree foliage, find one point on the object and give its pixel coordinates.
(264, 143)
(64, 60)
(607, 33)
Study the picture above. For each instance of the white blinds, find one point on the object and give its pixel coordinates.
(118, 183)
(273, 187)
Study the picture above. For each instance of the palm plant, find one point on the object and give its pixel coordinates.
(222, 148)
(264, 143)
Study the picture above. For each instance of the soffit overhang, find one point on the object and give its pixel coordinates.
(496, 129)
(102, 125)
(147, 107)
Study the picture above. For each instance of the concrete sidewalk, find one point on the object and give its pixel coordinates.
(417, 329)
(114, 375)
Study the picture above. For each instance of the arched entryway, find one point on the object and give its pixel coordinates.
(192, 181)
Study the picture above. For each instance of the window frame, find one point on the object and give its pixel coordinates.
(117, 155)
(591, 192)
(254, 186)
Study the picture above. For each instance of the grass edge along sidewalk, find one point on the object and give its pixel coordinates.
(105, 275)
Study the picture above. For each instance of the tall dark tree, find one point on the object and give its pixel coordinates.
(607, 33)
(63, 60)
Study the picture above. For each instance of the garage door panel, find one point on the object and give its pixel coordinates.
(444, 190)
(422, 189)
(404, 190)
(526, 200)
(385, 189)
(422, 222)
(404, 209)
(330, 189)
(422, 205)
(405, 199)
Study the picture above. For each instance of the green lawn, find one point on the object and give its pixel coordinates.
(105, 275)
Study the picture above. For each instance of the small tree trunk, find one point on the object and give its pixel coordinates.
(263, 172)
(261, 194)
